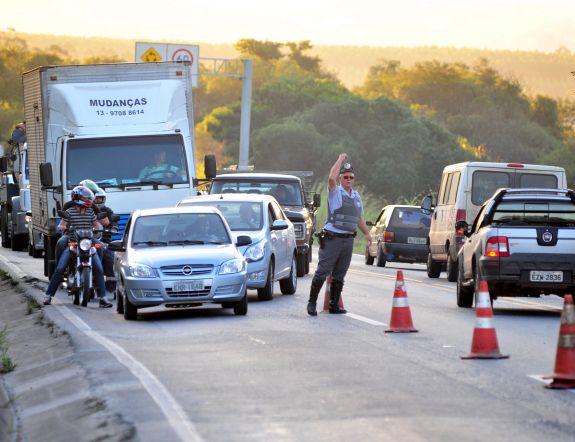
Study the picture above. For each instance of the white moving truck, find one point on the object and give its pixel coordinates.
(127, 126)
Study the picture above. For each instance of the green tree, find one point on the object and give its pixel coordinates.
(264, 50)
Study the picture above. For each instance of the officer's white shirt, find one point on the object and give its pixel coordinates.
(335, 202)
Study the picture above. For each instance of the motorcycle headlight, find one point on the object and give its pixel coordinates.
(85, 244)
(142, 271)
(233, 266)
(255, 252)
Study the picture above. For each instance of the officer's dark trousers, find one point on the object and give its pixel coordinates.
(334, 259)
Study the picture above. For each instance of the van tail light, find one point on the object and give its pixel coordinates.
(460, 215)
(388, 236)
(497, 246)
(519, 165)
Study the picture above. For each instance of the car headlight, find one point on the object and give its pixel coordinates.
(142, 271)
(299, 230)
(85, 244)
(233, 266)
(255, 252)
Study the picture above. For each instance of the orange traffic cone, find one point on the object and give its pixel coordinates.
(400, 313)
(484, 344)
(564, 375)
(327, 295)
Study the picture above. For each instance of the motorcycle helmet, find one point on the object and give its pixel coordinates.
(90, 185)
(100, 197)
(82, 196)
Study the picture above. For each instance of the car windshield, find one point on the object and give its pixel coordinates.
(127, 161)
(410, 218)
(542, 213)
(179, 229)
(240, 215)
(286, 192)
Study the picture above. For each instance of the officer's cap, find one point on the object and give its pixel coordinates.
(345, 167)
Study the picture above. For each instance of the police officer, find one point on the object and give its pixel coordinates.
(345, 215)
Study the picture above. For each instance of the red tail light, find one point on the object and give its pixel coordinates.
(515, 165)
(388, 236)
(497, 246)
(460, 215)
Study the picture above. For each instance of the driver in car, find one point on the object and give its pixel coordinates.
(159, 169)
(247, 216)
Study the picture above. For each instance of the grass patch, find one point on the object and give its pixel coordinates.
(33, 305)
(6, 364)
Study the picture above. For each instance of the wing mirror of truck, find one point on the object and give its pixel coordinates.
(116, 246)
(3, 164)
(427, 204)
(210, 166)
(46, 177)
(462, 228)
(316, 200)
(243, 240)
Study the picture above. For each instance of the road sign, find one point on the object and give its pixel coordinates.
(154, 52)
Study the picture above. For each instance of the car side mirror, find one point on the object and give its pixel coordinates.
(279, 224)
(462, 228)
(116, 246)
(210, 166)
(370, 223)
(427, 204)
(243, 240)
(316, 200)
(46, 177)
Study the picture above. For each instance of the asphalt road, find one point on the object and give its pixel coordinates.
(278, 374)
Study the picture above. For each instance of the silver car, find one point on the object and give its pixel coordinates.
(272, 256)
(179, 257)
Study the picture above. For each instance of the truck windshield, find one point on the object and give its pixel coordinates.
(127, 161)
(286, 192)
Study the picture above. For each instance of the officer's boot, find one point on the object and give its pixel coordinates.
(335, 293)
(316, 285)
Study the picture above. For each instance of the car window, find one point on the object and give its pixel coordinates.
(534, 213)
(442, 188)
(453, 188)
(485, 183)
(184, 228)
(478, 218)
(240, 215)
(537, 180)
(410, 218)
(446, 189)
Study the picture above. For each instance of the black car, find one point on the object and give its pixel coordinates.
(400, 235)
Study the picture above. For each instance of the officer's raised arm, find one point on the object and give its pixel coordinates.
(334, 172)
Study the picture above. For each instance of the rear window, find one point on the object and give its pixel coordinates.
(535, 213)
(538, 180)
(485, 183)
(410, 218)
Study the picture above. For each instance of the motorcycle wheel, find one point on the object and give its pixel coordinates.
(85, 286)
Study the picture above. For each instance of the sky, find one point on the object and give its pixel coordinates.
(543, 25)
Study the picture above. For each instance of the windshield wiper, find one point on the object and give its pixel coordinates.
(151, 243)
(187, 241)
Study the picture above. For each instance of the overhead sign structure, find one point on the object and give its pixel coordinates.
(154, 52)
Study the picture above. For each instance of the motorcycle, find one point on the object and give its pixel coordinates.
(79, 279)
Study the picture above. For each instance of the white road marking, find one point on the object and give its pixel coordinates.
(366, 320)
(259, 341)
(174, 413)
(539, 378)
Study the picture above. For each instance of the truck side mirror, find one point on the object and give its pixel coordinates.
(210, 166)
(3, 164)
(46, 178)
(427, 204)
(316, 200)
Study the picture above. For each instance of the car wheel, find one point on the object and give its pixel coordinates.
(368, 258)
(451, 269)
(288, 286)
(433, 267)
(380, 257)
(241, 307)
(464, 293)
(130, 310)
(267, 292)
(302, 260)
(119, 302)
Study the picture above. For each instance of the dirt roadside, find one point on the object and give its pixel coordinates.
(47, 395)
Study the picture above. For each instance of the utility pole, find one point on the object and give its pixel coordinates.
(245, 116)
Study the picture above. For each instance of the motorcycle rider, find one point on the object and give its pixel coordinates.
(108, 255)
(80, 216)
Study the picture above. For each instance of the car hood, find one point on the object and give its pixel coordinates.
(256, 236)
(189, 254)
(296, 213)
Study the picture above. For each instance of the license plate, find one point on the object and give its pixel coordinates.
(415, 240)
(188, 286)
(540, 276)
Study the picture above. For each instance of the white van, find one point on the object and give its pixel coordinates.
(464, 188)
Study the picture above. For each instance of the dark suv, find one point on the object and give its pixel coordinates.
(288, 190)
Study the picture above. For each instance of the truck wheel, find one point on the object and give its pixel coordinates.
(451, 269)
(433, 267)
(301, 264)
(266, 293)
(464, 293)
(288, 285)
(4, 229)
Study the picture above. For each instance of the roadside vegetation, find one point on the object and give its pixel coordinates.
(6, 364)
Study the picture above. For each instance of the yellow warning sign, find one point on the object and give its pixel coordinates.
(151, 56)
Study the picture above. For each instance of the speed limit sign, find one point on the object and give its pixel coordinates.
(158, 52)
(183, 55)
